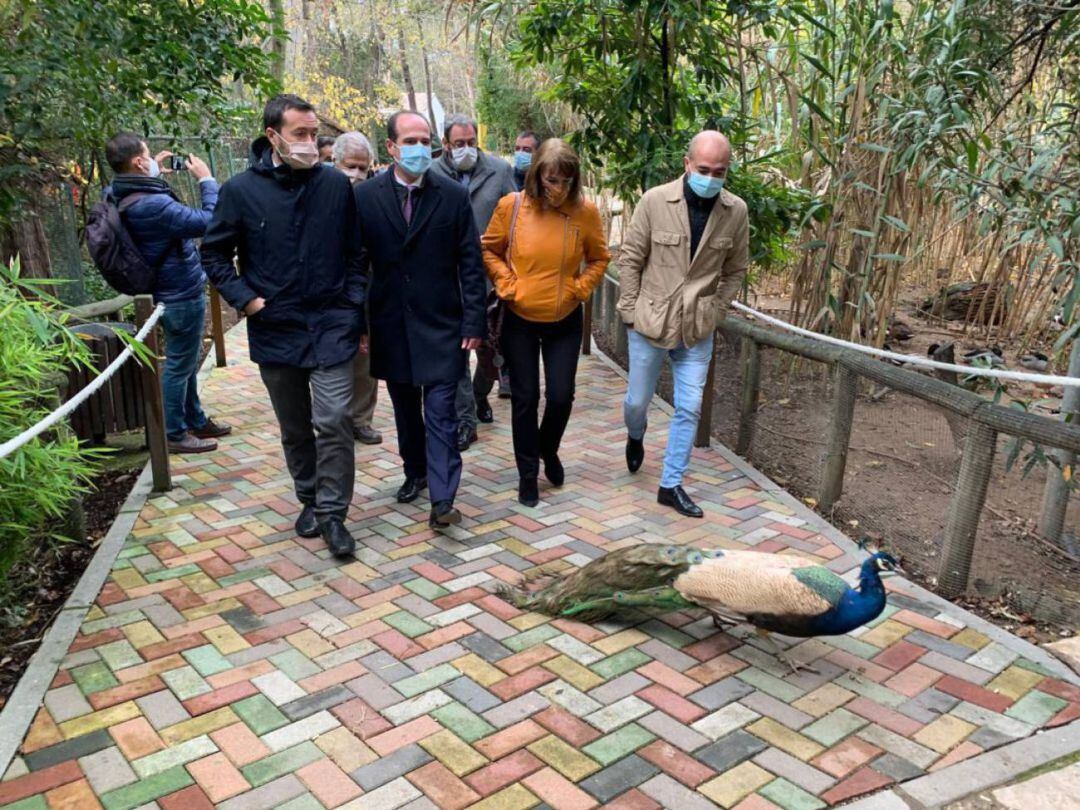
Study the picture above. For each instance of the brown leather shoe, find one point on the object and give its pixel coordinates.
(192, 444)
(212, 430)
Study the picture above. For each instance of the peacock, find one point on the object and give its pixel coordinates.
(773, 592)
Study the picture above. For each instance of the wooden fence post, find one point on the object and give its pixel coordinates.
(845, 386)
(156, 439)
(751, 382)
(704, 425)
(217, 328)
(1057, 492)
(965, 509)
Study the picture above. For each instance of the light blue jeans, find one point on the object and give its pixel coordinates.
(689, 367)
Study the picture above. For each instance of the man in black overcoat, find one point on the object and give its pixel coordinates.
(425, 298)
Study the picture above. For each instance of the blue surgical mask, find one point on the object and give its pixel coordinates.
(415, 158)
(155, 169)
(705, 186)
(522, 160)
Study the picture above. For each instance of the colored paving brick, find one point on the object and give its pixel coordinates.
(229, 663)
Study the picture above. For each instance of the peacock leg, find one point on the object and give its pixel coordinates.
(781, 653)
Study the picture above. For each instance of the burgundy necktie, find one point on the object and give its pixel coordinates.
(406, 211)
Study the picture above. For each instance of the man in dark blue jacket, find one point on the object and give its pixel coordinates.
(292, 223)
(165, 230)
(425, 306)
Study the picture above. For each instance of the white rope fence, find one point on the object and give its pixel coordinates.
(910, 359)
(10, 446)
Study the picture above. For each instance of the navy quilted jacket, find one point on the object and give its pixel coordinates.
(164, 228)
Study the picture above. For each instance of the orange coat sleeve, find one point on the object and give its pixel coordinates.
(597, 254)
(494, 244)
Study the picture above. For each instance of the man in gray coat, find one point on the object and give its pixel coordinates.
(488, 180)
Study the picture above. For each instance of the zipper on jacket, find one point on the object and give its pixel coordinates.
(562, 264)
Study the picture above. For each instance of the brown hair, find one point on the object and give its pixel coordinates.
(557, 155)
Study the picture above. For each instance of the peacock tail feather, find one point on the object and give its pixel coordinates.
(635, 577)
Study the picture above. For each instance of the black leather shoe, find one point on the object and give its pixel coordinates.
(528, 492)
(307, 525)
(553, 470)
(443, 514)
(635, 454)
(677, 498)
(484, 412)
(366, 435)
(411, 489)
(337, 537)
(466, 435)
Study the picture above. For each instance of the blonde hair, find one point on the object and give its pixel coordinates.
(555, 154)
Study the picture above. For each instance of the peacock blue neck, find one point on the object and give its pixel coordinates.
(857, 607)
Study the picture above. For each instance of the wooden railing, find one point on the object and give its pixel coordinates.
(984, 419)
(108, 309)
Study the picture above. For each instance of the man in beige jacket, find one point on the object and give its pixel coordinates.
(682, 261)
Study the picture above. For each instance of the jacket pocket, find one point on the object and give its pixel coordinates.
(721, 245)
(650, 314)
(667, 249)
(705, 309)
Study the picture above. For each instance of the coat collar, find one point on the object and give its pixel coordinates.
(429, 201)
(479, 174)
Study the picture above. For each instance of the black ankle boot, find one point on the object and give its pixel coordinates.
(528, 492)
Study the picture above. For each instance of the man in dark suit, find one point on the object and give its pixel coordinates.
(425, 306)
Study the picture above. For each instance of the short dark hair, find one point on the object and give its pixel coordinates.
(528, 133)
(275, 109)
(324, 140)
(121, 149)
(391, 124)
(458, 120)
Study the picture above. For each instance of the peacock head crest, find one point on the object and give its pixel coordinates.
(880, 562)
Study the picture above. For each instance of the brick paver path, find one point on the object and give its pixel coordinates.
(229, 662)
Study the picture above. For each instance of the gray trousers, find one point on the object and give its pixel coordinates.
(313, 409)
(470, 389)
(365, 391)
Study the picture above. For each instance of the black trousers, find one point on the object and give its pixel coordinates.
(523, 343)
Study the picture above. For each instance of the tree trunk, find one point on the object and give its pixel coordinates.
(25, 238)
(406, 74)
(277, 41)
(427, 78)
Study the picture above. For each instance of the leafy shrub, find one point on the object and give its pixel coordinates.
(39, 481)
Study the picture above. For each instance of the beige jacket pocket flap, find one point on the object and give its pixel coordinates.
(721, 243)
(668, 238)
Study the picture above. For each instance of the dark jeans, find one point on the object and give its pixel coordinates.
(523, 343)
(314, 409)
(427, 435)
(183, 323)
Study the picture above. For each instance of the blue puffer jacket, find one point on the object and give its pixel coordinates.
(163, 227)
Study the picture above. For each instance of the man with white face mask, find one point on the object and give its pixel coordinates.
(488, 181)
(352, 154)
(291, 222)
(164, 230)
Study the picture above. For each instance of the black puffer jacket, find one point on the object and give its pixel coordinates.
(295, 235)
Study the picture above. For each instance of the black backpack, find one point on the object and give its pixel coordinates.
(113, 250)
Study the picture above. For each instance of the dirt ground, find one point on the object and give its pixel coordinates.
(900, 477)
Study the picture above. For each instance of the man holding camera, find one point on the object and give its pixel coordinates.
(165, 230)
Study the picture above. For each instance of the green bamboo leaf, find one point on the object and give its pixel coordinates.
(889, 257)
(1057, 247)
(896, 222)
